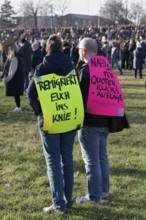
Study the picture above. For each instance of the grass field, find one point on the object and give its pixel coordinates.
(24, 187)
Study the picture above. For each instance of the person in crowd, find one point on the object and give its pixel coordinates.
(74, 53)
(57, 147)
(14, 75)
(143, 45)
(67, 48)
(124, 55)
(3, 58)
(43, 50)
(106, 48)
(71, 50)
(36, 57)
(115, 52)
(26, 50)
(138, 60)
(132, 46)
(93, 135)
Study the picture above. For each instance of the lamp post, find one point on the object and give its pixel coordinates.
(99, 13)
(88, 14)
(51, 12)
(126, 12)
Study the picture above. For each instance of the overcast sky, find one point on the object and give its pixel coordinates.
(89, 7)
(76, 6)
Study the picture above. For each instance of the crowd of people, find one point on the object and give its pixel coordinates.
(34, 65)
(117, 43)
(110, 31)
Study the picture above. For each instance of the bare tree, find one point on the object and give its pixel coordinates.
(126, 12)
(143, 19)
(52, 8)
(136, 12)
(51, 12)
(113, 9)
(31, 9)
(61, 7)
(122, 11)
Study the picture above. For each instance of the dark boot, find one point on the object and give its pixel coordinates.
(140, 73)
(135, 73)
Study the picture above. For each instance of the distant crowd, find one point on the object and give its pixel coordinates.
(111, 32)
(117, 43)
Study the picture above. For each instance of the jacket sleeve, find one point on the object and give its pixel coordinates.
(5, 70)
(33, 98)
(12, 69)
(84, 78)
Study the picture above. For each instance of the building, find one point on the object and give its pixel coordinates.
(68, 20)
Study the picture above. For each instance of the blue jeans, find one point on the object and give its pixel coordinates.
(115, 61)
(93, 147)
(26, 81)
(59, 159)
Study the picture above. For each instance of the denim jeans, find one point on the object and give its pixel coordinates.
(115, 61)
(93, 147)
(59, 159)
(26, 81)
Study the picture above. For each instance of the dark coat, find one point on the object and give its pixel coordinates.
(26, 51)
(138, 58)
(57, 63)
(75, 55)
(16, 85)
(36, 59)
(43, 53)
(125, 52)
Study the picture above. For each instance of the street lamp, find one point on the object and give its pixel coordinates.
(88, 13)
(99, 13)
(51, 11)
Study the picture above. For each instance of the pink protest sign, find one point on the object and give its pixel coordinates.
(105, 94)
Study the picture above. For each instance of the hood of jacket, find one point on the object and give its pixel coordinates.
(57, 63)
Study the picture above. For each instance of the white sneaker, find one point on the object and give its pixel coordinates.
(17, 109)
(49, 209)
(83, 199)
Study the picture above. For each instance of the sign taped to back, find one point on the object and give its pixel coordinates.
(61, 102)
(105, 93)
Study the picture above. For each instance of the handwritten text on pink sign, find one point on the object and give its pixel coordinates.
(105, 93)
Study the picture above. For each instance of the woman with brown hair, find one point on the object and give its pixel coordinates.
(57, 145)
(14, 75)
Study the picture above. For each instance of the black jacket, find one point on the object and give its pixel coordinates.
(36, 59)
(26, 51)
(57, 63)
